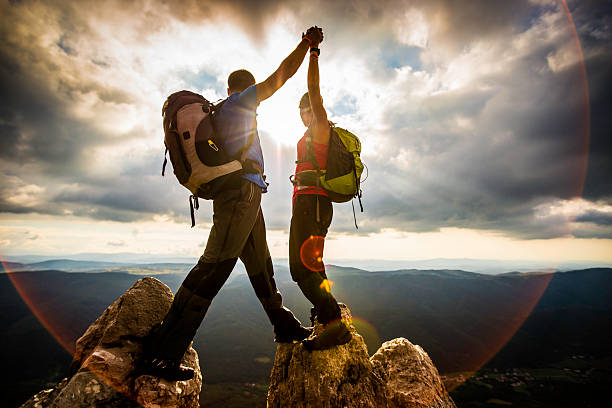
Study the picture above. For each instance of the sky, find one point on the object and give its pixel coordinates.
(485, 126)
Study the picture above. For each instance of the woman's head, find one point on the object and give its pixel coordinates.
(305, 111)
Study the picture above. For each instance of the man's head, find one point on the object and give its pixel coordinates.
(239, 80)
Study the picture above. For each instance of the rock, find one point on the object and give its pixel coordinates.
(411, 377)
(399, 374)
(106, 358)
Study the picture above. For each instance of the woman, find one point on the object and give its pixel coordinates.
(312, 215)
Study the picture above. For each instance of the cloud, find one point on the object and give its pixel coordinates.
(596, 217)
(471, 115)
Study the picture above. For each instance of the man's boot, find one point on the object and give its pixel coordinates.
(168, 370)
(287, 328)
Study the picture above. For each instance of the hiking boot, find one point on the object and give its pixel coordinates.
(334, 334)
(298, 333)
(168, 370)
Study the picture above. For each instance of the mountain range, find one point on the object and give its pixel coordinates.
(467, 322)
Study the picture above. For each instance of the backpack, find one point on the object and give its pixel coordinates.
(196, 150)
(341, 180)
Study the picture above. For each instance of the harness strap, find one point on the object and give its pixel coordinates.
(317, 194)
(311, 157)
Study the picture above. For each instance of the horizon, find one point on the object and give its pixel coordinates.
(481, 266)
(484, 126)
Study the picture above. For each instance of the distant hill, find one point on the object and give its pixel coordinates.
(70, 265)
(464, 320)
(12, 266)
(484, 266)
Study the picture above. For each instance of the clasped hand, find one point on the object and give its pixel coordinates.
(314, 35)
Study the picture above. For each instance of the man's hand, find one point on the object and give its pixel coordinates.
(314, 35)
(290, 65)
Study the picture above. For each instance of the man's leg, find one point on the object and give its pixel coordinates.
(256, 258)
(234, 214)
(189, 307)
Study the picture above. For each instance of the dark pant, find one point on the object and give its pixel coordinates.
(238, 231)
(306, 242)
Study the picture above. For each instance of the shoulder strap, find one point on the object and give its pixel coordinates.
(310, 154)
(245, 149)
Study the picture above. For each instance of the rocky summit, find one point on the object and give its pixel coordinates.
(399, 374)
(107, 356)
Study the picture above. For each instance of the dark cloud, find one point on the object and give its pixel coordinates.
(521, 145)
(593, 20)
(526, 147)
(596, 217)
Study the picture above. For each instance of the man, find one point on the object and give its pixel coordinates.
(238, 229)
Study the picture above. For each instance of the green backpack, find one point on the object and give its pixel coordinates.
(341, 180)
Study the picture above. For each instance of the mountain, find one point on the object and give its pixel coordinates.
(483, 266)
(466, 321)
(71, 265)
(12, 266)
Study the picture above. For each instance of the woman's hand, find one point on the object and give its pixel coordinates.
(314, 35)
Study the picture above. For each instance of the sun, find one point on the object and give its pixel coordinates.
(278, 117)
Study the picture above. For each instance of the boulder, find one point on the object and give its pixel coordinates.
(399, 374)
(410, 376)
(106, 359)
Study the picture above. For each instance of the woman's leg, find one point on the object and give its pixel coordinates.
(306, 243)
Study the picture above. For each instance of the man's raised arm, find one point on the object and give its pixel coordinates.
(288, 67)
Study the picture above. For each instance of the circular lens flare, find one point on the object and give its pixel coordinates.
(311, 253)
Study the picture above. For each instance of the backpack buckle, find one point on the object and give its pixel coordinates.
(213, 145)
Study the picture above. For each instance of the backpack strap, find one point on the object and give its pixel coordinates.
(354, 216)
(244, 150)
(311, 157)
(193, 201)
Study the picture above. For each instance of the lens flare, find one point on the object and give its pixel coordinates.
(55, 320)
(496, 328)
(368, 331)
(585, 137)
(50, 319)
(311, 253)
(492, 337)
(326, 285)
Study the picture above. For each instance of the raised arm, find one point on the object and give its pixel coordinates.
(287, 68)
(320, 124)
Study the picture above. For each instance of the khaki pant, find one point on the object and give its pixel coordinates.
(238, 231)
